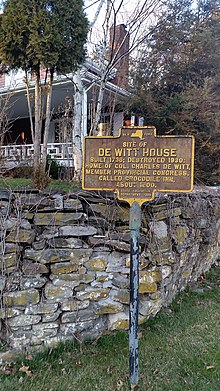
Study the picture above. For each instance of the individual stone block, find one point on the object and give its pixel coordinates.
(97, 263)
(180, 234)
(110, 212)
(24, 320)
(33, 201)
(41, 309)
(51, 317)
(13, 223)
(59, 282)
(57, 293)
(118, 321)
(77, 230)
(73, 204)
(99, 209)
(74, 305)
(159, 229)
(43, 331)
(98, 222)
(5, 195)
(6, 313)
(33, 268)
(121, 282)
(4, 208)
(93, 294)
(64, 267)
(115, 261)
(7, 248)
(2, 283)
(98, 328)
(160, 245)
(58, 201)
(114, 244)
(78, 256)
(145, 307)
(155, 208)
(162, 258)
(166, 271)
(21, 236)
(188, 213)
(56, 219)
(39, 245)
(122, 214)
(32, 282)
(79, 316)
(21, 298)
(65, 243)
(9, 262)
(148, 281)
(69, 329)
(103, 277)
(72, 280)
(109, 307)
(121, 295)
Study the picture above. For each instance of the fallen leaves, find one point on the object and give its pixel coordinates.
(210, 367)
(26, 370)
(63, 371)
(119, 385)
(7, 369)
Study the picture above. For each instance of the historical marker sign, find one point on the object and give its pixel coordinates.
(138, 163)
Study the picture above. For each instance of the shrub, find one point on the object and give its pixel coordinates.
(22, 172)
(55, 169)
(41, 178)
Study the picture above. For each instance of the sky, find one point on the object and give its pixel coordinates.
(125, 15)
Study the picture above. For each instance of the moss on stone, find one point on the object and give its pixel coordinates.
(97, 264)
(21, 298)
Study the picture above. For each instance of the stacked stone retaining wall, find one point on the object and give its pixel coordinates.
(65, 261)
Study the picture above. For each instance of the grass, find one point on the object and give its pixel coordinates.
(179, 350)
(22, 183)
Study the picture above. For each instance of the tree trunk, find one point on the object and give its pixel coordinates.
(48, 118)
(37, 138)
(29, 106)
(76, 129)
(94, 127)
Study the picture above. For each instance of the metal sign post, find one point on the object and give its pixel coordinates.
(136, 165)
(135, 224)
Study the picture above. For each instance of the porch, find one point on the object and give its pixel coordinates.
(15, 155)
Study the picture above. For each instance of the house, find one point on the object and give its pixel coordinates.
(17, 142)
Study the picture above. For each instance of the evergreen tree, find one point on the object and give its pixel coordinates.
(36, 34)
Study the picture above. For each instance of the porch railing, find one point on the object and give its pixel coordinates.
(61, 152)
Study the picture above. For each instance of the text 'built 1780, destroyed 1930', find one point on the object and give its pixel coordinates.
(138, 163)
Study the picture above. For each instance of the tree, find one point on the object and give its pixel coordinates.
(43, 34)
(5, 122)
(177, 78)
(110, 52)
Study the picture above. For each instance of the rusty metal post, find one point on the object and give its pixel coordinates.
(135, 224)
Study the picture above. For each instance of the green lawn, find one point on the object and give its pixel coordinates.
(22, 183)
(179, 350)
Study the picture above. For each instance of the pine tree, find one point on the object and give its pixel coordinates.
(36, 34)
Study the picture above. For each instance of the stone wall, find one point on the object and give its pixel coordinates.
(65, 261)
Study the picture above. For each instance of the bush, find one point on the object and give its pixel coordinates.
(22, 172)
(55, 169)
(41, 178)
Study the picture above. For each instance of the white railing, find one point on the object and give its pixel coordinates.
(24, 153)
